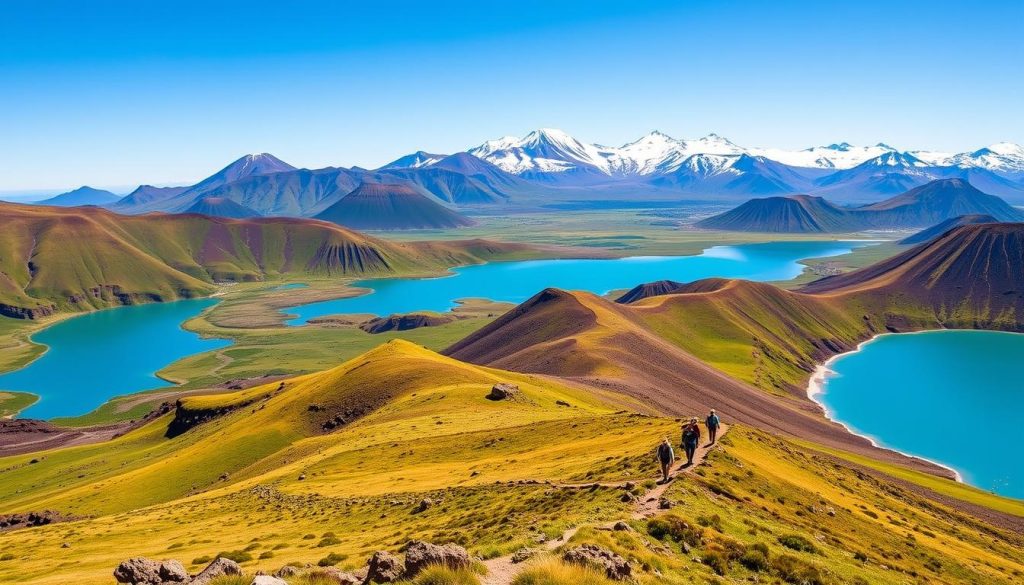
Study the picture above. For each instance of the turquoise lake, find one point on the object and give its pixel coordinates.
(954, 397)
(94, 357)
(517, 281)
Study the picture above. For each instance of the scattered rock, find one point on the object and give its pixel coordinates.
(173, 572)
(267, 580)
(218, 568)
(503, 391)
(138, 571)
(562, 403)
(664, 504)
(626, 497)
(523, 554)
(383, 567)
(423, 506)
(287, 571)
(419, 555)
(621, 526)
(614, 566)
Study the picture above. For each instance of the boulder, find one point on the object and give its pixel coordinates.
(522, 555)
(287, 571)
(614, 566)
(267, 580)
(218, 568)
(333, 575)
(383, 567)
(423, 506)
(621, 526)
(419, 555)
(173, 572)
(138, 571)
(503, 391)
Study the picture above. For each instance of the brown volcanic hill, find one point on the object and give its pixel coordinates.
(622, 348)
(380, 206)
(118, 259)
(972, 275)
(938, 201)
(943, 227)
(649, 289)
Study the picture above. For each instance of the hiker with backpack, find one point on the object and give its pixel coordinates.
(691, 438)
(666, 456)
(713, 422)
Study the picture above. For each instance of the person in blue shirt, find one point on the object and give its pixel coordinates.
(713, 423)
(691, 438)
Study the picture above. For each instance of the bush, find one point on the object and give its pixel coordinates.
(230, 580)
(202, 560)
(6, 557)
(797, 543)
(267, 555)
(554, 572)
(716, 560)
(793, 570)
(444, 576)
(674, 527)
(760, 547)
(754, 560)
(331, 560)
(328, 541)
(239, 556)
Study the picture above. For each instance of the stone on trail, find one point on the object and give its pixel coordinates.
(503, 391)
(621, 526)
(589, 555)
(218, 568)
(267, 580)
(384, 567)
(419, 555)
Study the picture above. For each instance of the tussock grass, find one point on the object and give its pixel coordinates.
(555, 572)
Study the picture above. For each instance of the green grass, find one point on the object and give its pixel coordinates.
(12, 403)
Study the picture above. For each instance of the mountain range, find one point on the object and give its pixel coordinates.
(919, 207)
(549, 165)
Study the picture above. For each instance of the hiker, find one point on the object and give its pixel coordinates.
(712, 422)
(691, 438)
(666, 456)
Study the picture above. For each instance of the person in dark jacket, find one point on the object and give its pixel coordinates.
(691, 438)
(713, 422)
(666, 457)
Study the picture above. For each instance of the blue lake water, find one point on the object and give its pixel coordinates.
(93, 357)
(955, 397)
(517, 281)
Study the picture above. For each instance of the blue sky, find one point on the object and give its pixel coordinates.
(114, 94)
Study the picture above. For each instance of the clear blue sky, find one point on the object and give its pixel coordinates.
(117, 93)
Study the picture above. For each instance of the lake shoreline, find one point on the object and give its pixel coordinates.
(816, 389)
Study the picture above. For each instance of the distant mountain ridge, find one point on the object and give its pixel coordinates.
(549, 165)
(81, 196)
(919, 207)
(379, 206)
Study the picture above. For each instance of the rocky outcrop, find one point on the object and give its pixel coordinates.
(37, 312)
(384, 567)
(420, 555)
(220, 567)
(405, 322)
(29, 519)
(503, 391)
(143, 571)
(186, 418)
(613, 566)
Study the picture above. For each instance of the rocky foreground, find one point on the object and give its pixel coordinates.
(382, 567)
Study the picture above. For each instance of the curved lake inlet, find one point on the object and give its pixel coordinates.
(954, 397)
(517, 281)
(94, 357)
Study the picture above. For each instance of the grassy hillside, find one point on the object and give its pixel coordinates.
(128, 259)
(266, 477)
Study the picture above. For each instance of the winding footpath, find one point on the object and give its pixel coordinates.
(502, 570)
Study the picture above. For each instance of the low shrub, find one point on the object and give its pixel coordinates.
(754, 560)
(674, 527)
(328, 541)
(797, 543)
(793, 570)
(717, 560)
(202, 560)
(331, 560)
(239, 556)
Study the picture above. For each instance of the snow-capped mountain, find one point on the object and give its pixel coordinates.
(834, 156)
(1002, 157)
(415, 160)
(549, 151)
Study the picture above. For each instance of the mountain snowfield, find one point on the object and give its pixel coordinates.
(553, 151)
